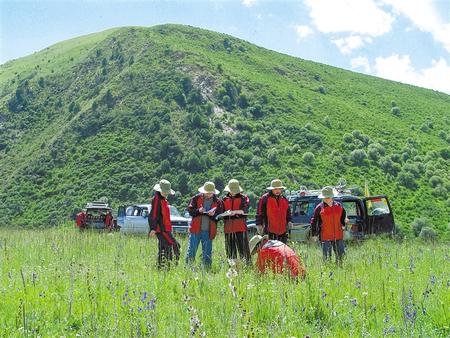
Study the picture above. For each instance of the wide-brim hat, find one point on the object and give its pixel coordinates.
(208, 188)
(327, 192)
(276, 184)
(233, 186)
(164, 186)
(255, 240)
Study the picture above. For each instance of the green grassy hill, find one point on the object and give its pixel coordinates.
(110, 113)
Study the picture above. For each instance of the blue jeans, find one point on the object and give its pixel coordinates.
(194, 241)
(338, 248)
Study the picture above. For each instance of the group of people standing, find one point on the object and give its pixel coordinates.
(273, 220)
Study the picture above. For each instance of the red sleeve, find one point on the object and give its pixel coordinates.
(261, 211)
(192, 207)
(154, 217)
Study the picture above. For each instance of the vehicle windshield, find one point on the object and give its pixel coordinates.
(174, 211)
(377, 206)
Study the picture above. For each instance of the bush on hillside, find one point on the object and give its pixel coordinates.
(428, 234)
(395, 111)
(358, 157)
(407, 180)
(308, 158)
(418, 224)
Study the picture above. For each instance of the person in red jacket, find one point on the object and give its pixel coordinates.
(273, 216)
(276, 256)
(80, 219)
(160, 225)
(203, 207)
(235, 205)
(108, 220)
(328, 222)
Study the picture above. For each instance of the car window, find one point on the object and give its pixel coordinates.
(299, 208)
(377, 206)
(174, 211)
(352, 209)
(129, 211)
(144, 213)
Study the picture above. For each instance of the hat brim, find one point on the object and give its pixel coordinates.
(157, 187)
(255, 244)
(203, 191)
(327, 196)
(227, 189)
(271, 188)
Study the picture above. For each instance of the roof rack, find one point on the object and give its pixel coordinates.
(97, 204)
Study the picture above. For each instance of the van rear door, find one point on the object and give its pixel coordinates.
(380, 218)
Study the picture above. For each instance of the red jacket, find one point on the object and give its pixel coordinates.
(278, 256)
(273, 213)
(159, 218)
(108, 220)
(327, 221)
(197, 203)
(80, 220)
(236, 223)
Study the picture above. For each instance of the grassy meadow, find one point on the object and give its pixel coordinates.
(59, 282)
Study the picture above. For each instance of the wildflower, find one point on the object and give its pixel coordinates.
(433, 280)
(354, 301)
(331, 274)
(324, 294)
(233, 289)
(184, 284)
(231, 262)
(144, 297)
(411, 264)
(358, 284)
(387, 318)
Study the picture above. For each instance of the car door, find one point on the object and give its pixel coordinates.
(141, 221)
(131, 214)
(120, 216)
(355, 215)
(380, 218)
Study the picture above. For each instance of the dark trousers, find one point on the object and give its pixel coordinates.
(338, 248)
(237, 241)
(282, 238)
(168, 247)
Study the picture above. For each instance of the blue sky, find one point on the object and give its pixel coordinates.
(402, 40)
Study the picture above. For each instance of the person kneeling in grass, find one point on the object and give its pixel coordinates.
(277, 256)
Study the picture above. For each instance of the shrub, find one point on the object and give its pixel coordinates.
(322, 90)
(428, 234)
(308, 158)
(348, 138)
(395, 111)
(435, 181)
(407, 180)
(327, 121)
(418, 224)
(358, 156)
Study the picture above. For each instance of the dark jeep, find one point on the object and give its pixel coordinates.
(367, 215)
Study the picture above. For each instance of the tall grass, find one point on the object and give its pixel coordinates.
(60, 282)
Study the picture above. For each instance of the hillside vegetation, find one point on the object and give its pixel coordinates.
(109, 114)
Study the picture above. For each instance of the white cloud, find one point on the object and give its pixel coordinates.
(361, 62)
(249, 3)
(303, 31)
(398, 68)
(348, 44)
(362, 17)
(424, 16)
